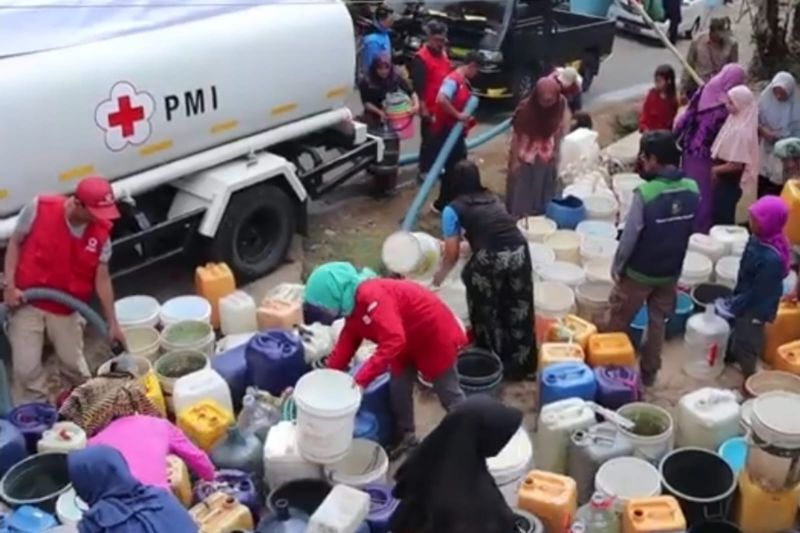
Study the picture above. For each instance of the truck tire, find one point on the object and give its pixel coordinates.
(256, 231)
(523, 81)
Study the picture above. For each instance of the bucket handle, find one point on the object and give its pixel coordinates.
(723, 510)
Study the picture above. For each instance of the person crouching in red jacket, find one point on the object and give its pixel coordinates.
(413, 329)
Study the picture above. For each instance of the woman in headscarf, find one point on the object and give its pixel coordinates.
(117, 502)
(445, 485)
(759, 287)
(571, 84)
(696, 130)
(497, 276)
(538, 125)
(414, 330)
(736, 154)
(779, 118)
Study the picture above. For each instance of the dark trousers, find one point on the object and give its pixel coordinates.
(672, 9)
(727, 193)
(426, 148)
(767, 188)
(401, 391)
(746, 344)
(458, 153)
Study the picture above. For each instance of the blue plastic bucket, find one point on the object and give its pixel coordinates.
(734, 451)
(638, 327)
(567, 212)
(684, 307)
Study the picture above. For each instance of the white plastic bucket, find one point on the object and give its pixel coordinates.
(599, 270)
(536, 229)
(597, 228)
(592, 299)
(598, 248)
(601, 207)
(511, 465)
(737, 248)
(366, 462)
(541, 255)
(727, 270)
(189, 307)
(697, 269)
(189, 335)
(568, 273)
(70, 508)
(142, 341)
(729, 235)
(327, 401)
(707, 245)
(553, 299)
(775, 440)
(143, 365)
(136, 311)
(566, 244)
(626, 478)
(411, 254)
(652, 447)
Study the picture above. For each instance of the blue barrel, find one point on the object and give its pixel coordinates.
(377, 400)
(684, 307)
(366, 426)
(381, 508)
(232, 366)
(33, 419)
(567, 212)
(12, 446)
(275, 360)
(572, 379)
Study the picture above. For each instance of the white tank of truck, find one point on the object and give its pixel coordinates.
(121, 106)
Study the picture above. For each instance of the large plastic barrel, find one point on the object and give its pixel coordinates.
(275, 360)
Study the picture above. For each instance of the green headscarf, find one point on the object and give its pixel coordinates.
(788, 148)
(333, 286)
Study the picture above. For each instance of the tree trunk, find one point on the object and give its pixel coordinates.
(769, 37)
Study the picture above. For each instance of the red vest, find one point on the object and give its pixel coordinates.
(444, 121)
(436, 70)
(50, 256)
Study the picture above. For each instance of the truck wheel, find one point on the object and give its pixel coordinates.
(522, 83)
(256, 231)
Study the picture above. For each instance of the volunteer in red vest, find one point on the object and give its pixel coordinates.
(453, 96)
(428, 69)
(60, 243)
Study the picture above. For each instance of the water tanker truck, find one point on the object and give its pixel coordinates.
(221, 127)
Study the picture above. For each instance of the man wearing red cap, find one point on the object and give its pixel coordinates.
(61, 243)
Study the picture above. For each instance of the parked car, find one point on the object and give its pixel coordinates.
(696, 14)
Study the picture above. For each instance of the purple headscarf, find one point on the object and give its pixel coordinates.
(714, 92)
(771, 214)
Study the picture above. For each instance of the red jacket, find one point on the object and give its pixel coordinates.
(657, 113)
(444, 121)
(51, 257)
(410, 325)
(436, 70)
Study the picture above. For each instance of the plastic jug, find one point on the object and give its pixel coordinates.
(559, 352)
(240, 485)
(788, 358)
(660, 514)
(572, 328)
(62, 437)
(342, 511)
(706, 340)
(238, 451)
(284, 519)
(279, 314)
(785, 328)
(550, 497)
(617, 385)
(13, 448)
(707, 417)
(220, 513)
(154, 393)
(178, 478)
(589, 449)
(33, 419)
(791, 195)
(237, 313)
(232, 366)
(205, 423)
(204, 384)
(214, 281)
(599, 515)
(567, 380)
(760, 511)
(381, 508)
(282, 460)
(258, 414)
(557, 421)
(377, 400)
(275, 360)
(610, 349)
(29, 519)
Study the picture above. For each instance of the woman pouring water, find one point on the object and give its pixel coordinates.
(415, 332)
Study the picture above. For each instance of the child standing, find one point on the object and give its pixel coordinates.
(661, 105)
(759, 286)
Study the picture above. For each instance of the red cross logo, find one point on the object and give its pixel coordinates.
(125, 116)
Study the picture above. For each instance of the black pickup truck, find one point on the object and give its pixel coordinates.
(520, 40)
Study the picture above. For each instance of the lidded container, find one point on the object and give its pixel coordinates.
(342, 511)
(572, 328)
(509, 467)
(697, 269)
(727, 270)
(62, 437)
(761, 511)
(205, 384)
(589, 449)
(282, 460)
(237, 313)
(788, 358)
(773, 460)
(610, 349)
(559, 352)
(275, 360)
(205, 423)
(660, 514)
(551, 300)
(567, 380)
(706, 340)
(13, 448)
(707, 417)
(32, 420)
(783, 329)
(728, 236)
(213, 282)
(239, 451)
(617, 386)
(260, 411)
(274, 313)
(707, 246)
(179, 482)
(234, 483)
(284, 519)
(557, 421)
(550, 497)
(220, 513)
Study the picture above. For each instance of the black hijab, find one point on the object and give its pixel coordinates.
(445, 485)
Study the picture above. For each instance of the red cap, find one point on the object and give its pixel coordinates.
(97, 197)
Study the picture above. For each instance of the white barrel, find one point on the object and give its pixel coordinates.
(142, 341)
(510, 466)
(601, 207)
(566, 244)
(697, 269)
(536, 229)
(189, 335)
(142, 104)
(366, 462)
(189, 307)
(327, 401)
(137, 311)
(727, 270)
(415, 255)
(62, 437)
(552, 299)
(599, 270)
(729, 236)
(598, 248)
(627, 478)
(707, 245)
(597, 228)
(568, 273)
(541, 255)
(775, 441)
(653, 435)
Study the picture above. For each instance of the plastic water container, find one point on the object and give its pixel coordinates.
(142, 341)
(707, 246)
(706, 340)
(572, 328)
(180, 483)
(638, 327)
(327, 403)
(684, 307)
(137, 311)
(214, 281)
(342, 511)
(282, 460)
(237, 313)
(707, 417)
(599, 270)
(697, 269)
(415, 255)
(30, 519)
(734, 451)
(788, 358)
(758, 510)
(785, 328)
(366, 426)
(566, 244)
(204, 384)
(32, 420)
(189, 335)
(541, 255)
(205, 423)
(70, 509)
(579, 148)
(569, 274)
(536, 229)
(557, 421)
(551, 497)
(376, 399)
(592, 298)
(174, 365)
(567, 212)
(601, 207)
(593, 248)
(617, 386)
(182, 308)
(597, 229)
(727, 270)
(274, 313)
(382, 506)
(275, 360)
(567, 380)
(551, 300)
(588, 450)
(366, 462)
(509, 467)
(234, 483)
(221, 512)
(551, 353)
(232, 366)
(728, 235)
(651, 515)
(610, 349)
(627, 478)
(62, 437)
(12, 446)
(774, 449)
(653, 433)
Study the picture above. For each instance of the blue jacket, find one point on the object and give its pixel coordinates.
(759, 287)
(374, 44)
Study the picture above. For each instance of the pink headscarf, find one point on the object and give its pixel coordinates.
(771, 214)
(713, 93)
(737, 141)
